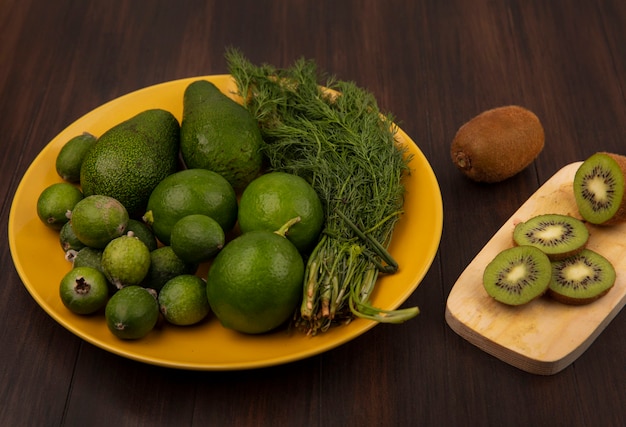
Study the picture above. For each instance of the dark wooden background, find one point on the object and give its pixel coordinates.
(434, 64)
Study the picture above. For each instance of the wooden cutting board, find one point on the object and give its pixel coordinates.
(544, 336)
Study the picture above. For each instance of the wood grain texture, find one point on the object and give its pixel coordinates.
(544, 336)
(434, 64)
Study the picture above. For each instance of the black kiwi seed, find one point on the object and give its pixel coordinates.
(581, 278)
(517, 275)
(558, 236)
(599, 189)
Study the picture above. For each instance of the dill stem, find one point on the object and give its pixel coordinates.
(336, 138)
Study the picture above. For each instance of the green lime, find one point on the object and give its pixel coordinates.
(70, 157)
(84, 290)
(272, 199)
(255, 282)
(187, 192)
(125, 261)
(165, 265)
(143, 232)
(55, 202)
(132, 313)
(68, 239)
(183, 300)
(98, 219)
(197, 238)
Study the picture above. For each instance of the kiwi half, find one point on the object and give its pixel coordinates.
(517, 275)
(599, 189)
(558, 236)
(581, 278)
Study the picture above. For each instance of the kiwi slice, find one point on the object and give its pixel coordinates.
(517, 275)
(581, 278)
(599, 189)
(558, 236)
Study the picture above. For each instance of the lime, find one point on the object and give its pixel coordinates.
(254, 283)
(84, 290)
(164, 265)
(68, 238)
(143, 232)
(272, 199)
(183, 300)
(125, 261)
(98, 219)
(196, 238)
(132, 313)
(70, 158)
(55, 202)
(187, 192)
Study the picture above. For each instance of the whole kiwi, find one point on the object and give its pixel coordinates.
(498, 143)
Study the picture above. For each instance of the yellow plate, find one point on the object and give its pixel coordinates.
(38, 257)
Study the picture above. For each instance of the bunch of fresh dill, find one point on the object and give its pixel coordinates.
(337, 139)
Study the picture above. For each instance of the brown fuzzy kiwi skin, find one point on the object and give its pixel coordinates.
(576, 301)
(498, 143)
(620, 215)
(562, 255)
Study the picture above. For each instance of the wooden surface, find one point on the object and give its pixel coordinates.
(544, 336)
(433, 64)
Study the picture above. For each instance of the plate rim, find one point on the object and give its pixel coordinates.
(365, 325)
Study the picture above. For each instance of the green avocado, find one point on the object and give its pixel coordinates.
(219, 134)
(131, 158)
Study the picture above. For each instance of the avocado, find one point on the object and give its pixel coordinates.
(218, 134)
(131, 158)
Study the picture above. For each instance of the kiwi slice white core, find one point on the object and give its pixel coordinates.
(599, 188)
(558, 236)
(517, 275)
(581, 278)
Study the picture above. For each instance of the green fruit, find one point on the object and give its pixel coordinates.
(219, 134)
(197, 238)
(132, 313)
(581, 278)
(558, 236)
(165, 265)
(125, 261)
(272, 199)
(183, 300)
(70, 158)
(187, 192)
(143, 232)
(599, 189)
(68, 239)
(131, 158)
(55, 202)
(517, 275)
(84, 290)
(97, 219)
(91, 257)
(255, 283)
(88, 257)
